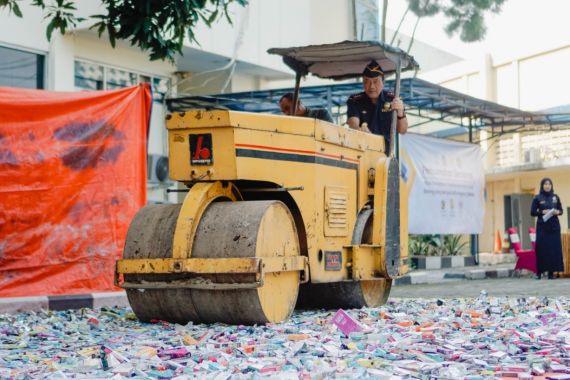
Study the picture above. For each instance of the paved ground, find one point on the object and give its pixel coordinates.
(520, 287)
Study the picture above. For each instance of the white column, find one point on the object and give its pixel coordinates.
(60, 63)
(516, 84)
(488, 78)
(517, 149)
(489, 149)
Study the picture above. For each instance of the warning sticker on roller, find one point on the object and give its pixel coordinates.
(333, 260)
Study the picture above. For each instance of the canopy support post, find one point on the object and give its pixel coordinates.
(296, 93)
(394, 142)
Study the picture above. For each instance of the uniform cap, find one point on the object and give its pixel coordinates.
(373, 70)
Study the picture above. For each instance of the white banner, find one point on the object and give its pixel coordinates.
(445, 179)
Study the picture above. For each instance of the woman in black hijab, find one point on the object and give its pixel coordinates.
(547, 205)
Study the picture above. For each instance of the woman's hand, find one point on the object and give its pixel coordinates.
(544, 212)
(556, 212)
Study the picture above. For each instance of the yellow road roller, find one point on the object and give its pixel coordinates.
(280, 211)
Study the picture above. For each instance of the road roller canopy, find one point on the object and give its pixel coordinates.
(345, 59)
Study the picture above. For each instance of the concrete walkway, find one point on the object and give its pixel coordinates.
(458, 274)
(523, 287)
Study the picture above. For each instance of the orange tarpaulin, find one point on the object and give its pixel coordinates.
(72, 176)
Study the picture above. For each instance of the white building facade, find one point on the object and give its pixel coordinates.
(533, 80)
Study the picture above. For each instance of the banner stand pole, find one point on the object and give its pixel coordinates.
(474, 238)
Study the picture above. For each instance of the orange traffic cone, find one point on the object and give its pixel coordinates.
(498, 245)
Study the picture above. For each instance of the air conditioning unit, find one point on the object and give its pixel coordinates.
(157, 168)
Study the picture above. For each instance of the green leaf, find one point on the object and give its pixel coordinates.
(69, 5)
(16, 9)
(111, 32)
(204, 18)
(137, 26)
(100, 28)
(39, 3)
(473, 29)
(452, 27)
(49, 29)
(146, 25)
(228, 18)
(212, 17)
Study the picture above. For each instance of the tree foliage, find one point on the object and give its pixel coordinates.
(466, 17)
(158, 27)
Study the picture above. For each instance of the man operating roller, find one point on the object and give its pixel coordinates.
(371, 110)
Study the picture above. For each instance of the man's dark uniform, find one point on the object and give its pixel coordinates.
(378, 117)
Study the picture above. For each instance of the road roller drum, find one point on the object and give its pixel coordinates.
(259, 229)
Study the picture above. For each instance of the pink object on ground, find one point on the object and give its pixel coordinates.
(174, 353)
(346, 323)
(526, 259)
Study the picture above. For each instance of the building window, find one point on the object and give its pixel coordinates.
(160, 87)
(120, 78)
(88, 76)
(21, 68)
(91, 76)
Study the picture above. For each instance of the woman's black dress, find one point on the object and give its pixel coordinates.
(548, 242)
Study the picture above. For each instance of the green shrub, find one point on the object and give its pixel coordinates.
(435, 245)
(422, 245)
(452, 245)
